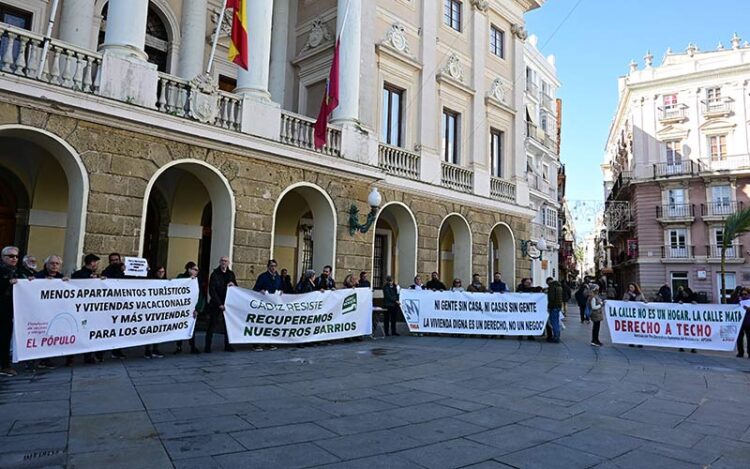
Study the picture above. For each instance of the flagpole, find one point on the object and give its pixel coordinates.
(216, 36)
(47, 38)
(343, 21)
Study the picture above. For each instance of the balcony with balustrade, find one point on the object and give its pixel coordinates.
(672, 114)
(723, 163)
(397, 161)
(676, 213)
(714, 108)
(503, 190)
(532, 89)
(677, 254)
(457, 177)
(299, 131)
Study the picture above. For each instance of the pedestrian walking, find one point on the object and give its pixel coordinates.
(554, 306)
(221, 279)
(582, 296)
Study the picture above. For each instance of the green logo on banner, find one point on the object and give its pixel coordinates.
(350, 304)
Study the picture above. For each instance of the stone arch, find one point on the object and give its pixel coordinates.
(188, 185)
(402, 235)
(502, 253)
(454, 249)
(304, 227)
(71, 221)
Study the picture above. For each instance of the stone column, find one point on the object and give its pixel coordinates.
(429, 112)
(253, 83)
(193, 45)
(76, 18)
(126, 28)
(479, 157)
(280, 67)
(349, 57)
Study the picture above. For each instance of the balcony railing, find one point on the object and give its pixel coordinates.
(397, 161)
(299, 131)
(501, 189)
(724, 163)
(677, 252)
(673, 113)
(682, 168)
(185, 99)
(65, 65)
(675, 211)
(717, 107)
(457, 178)
(720, 209)
(547, 101)
(733, 252)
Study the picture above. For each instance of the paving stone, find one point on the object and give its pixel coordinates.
(287, 457)
(513, 438)
(383, 461)
(206, 462)
(92, 433)
(605, 443)
(284, 417)
(367, 444)
(450, 454)
(201, 426)
(442, 429)
(43, 425)
(201, 445)
(280, 436)
(149, 454)
(641, 458)
(98, 402)
(551, 455)
(493, 417)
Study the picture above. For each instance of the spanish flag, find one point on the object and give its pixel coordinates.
(238, 47)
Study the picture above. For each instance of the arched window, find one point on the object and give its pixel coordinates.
(157, 37)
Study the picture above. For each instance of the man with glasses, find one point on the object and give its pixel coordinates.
(9, 275)
(269, 281)
(221, 279)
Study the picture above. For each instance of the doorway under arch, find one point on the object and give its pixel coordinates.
(502, 254)
(394, 247)
(454, 249)
(304, 229)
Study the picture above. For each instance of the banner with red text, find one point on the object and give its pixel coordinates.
(698, 326)
(474, 313)
(260, 318)
(55, 317)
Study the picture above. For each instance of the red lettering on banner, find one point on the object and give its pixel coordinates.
(694, 330)
(638, 327)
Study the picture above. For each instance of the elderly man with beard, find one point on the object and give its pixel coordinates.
(9, 275)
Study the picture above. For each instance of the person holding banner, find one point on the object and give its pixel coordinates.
(633, 294)
(325, 281)
(435, 283)
(306, 284)
(221, 279)
(476, 285)
(595, 305)
(191, 271)
(152, 350)
(391, 303)
(51, 270)
(88, 271)
(9, 275)
(417, 285)
(497, 285)
(457, 285)
(363, 282)
(269, 281)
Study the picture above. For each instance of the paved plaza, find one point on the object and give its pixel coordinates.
(434, 402)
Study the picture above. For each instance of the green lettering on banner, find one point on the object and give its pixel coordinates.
(350, 304)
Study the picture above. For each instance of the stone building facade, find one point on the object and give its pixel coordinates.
(119, 144)
(677, 165)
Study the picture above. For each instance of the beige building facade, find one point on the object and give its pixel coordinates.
(113, 140)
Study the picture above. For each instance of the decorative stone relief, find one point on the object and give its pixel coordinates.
(318, 34)
(453, 68)
(519, 31)
(648, 59)
(204, 99)
(499, 90)
(395, 37)
(226, 23)
(480, 5)
(736, 41)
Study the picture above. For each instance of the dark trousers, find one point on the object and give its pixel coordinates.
(191, 341)
(6, 332)
(595, 331)
(582, 308)
(215, 316)
(744, 333)
(389, 319)
(99, 355)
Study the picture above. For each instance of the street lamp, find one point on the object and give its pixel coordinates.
(374, 200)
(541, 246)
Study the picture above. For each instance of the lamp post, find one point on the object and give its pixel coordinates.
(374, 200)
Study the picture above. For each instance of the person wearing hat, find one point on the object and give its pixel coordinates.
(390, 295)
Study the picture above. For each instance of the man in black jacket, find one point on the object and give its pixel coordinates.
(435, 283)
(325, 281)
(221, 279)
(88, 271)
(9, 275)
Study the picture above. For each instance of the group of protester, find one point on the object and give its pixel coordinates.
(212, 297)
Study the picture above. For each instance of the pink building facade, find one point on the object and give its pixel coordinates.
(676, 166)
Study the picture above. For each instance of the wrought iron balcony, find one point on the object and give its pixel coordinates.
(720, 209)
(682, 168)
(677, 252)
(733, 252)
(675, 211)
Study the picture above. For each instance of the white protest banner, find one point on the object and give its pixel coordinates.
(698, 326)
(258, 318)
(136, 267)
(55, 317)
(474, 313)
